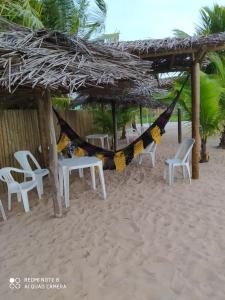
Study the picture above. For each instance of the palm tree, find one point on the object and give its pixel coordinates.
(212, 20)
(103, 119)
(23, 12)
(211, 110)
(72, 17)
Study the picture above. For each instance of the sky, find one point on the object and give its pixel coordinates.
(141, 19)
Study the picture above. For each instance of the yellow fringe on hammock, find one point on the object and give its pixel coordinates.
(120, 161)
(64, 141)
(155, 132)
(79, 152)
(138, 147)
(101, 157)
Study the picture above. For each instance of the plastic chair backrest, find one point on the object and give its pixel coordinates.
(131, 131)
(184, 150)
(6, 176)
(22, 158)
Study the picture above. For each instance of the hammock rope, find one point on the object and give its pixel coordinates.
(74, 145)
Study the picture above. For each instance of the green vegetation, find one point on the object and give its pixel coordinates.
(212, 114)
(72, 17)
(103, 119)
(212, 109)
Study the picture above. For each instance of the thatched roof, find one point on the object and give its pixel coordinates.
(132, 96)
(173, 54)
(52, 60)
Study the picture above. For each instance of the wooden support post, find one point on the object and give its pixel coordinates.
(43, 130)
(179, 125)
(53, 157)
(114, 118)
(195, 78)
(141, 116)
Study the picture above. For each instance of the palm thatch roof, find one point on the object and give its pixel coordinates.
(128, 97)
(54, 61)
(173, 54)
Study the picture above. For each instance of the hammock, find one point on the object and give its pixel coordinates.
(74, 145)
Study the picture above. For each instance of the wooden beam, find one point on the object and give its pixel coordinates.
(195, 76)
(43, 129)
(53, 157)
(141, 116)
(162, 54)
(179, 125)
(172, 61)
(114, 118)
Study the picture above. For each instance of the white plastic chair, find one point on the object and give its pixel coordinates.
(131, 134)
(15, 187)
(22, 158)
(181, 159)
(2, 211)
(149, 151)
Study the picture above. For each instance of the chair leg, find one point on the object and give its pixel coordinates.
(184, 172)
(66, 185)
(140, 159)
(81, 173)
(61, 182)
(39, 186)
(153, 159)
(93, 177)
(189, 172)
(102, 181)
(9, 201)
(165, 173)
(19, 197)
(108, 143)
(25, 201)
(173, 174)
(2, 211)
(170, 174)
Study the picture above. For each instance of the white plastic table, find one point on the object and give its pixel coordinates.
(99, 136)
(69, 164)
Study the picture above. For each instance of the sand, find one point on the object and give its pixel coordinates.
(148, 241)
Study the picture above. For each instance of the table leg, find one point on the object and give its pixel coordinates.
(81, 173)
(93, 178)
(102, 180)
(170, 174)
(66, 186)
(61, 181)
(102, 142)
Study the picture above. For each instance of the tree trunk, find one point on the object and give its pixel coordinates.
(204, 154)
(43, 129)
(123, 135)
(53, 158)
(222, 139)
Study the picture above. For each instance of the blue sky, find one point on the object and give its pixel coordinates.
(140, 19)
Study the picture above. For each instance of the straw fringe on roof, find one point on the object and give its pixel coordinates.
(161, 46)
(52, 60)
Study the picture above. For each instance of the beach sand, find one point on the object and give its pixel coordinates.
(148, 241)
